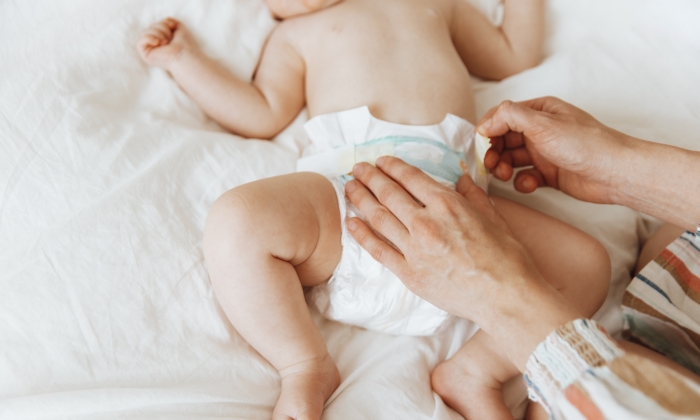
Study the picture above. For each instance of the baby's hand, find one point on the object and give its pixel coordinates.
(163, 41)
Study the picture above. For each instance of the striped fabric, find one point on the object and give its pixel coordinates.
(579, 372)
(661, 306)
(561, 359)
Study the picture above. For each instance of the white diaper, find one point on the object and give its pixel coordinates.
(361, 291)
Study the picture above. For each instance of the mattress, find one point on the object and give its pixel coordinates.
(108, 170)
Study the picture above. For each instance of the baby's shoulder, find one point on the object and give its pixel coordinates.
(300, 32)
(292, 30)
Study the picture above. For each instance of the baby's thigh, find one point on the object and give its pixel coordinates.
(572, 261)
(293, 218)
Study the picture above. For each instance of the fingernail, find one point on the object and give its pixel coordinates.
(352, 225)
(380, 161)
(350, 187)
(358, 169)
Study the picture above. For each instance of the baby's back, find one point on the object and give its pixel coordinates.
(395, 56)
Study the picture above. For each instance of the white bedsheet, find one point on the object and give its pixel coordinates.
(107, 172)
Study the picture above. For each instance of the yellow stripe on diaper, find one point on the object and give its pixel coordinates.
(341, 160)
(371, 152)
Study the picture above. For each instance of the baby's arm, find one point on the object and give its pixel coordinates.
(496, 53)
(260, 109)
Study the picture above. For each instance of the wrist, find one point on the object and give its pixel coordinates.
(610, 164)
(623, 172)
(181, 59)
(659, 180)
(525, 314)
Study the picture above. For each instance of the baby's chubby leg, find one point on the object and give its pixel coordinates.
(572, 262)
(263, 241)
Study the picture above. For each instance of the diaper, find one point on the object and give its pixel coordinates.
(363, 292)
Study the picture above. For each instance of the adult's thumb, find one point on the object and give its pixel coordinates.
(508, 116)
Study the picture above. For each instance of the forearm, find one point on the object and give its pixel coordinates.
(523, 27)
(660, 180)
(236, 105)
(525, 313)
(498, 52)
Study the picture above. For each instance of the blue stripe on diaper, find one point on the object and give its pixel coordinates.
(450, 167)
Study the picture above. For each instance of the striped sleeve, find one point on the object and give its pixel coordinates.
(661, 306)
(579, 372)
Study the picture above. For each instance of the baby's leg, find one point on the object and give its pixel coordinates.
(263, 241)
(573, 262)
(657, 243)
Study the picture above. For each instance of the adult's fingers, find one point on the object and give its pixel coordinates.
(381, 219)
(548, 104)
(516, 158)
(528, 180)
(508, 116)
(476, 197)
(411, 179)
(388, 192)
(502, 170)
(502, 165)
(377, 248)
(513, 140)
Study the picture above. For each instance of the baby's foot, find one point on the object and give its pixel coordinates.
(469, 390)
(305, 388)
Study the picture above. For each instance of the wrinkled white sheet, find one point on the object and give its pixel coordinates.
(107, 171)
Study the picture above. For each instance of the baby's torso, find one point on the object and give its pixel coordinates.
(394, 56)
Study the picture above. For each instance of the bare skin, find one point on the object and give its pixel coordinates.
(408, 62)
(485, 275)
(574, 263)
(561, 146)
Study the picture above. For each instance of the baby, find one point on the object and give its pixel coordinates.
(377, 77)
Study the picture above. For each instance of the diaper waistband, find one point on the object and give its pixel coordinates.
(429, 155)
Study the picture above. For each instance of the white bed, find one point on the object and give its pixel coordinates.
(107, 172)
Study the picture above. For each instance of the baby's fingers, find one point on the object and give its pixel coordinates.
(155, 37)
(158, 33)
(171, 23)
(148, 41)
(163, 29)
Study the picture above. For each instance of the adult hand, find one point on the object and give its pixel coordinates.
(456, 252)
(565, 147)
